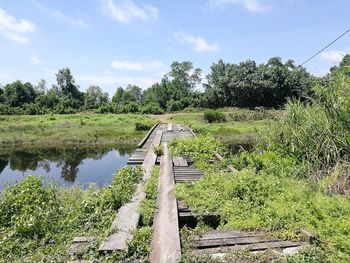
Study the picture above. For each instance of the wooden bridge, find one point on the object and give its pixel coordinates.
(173, 214)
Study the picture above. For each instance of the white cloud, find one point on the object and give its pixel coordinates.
(124, 11)
(199, 43)
(137, 65)
(254, 6)
(333, 56)
(15, 29)
(35, 60)
(57, 14)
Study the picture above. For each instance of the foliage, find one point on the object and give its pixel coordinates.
(94, 97)
(38, 221)
(142, 126)
(250, 85)
(29, 209)
(152, 108)
(317, 132)
(148, 205)
(214, 116)
(268, 194)
(158, 150)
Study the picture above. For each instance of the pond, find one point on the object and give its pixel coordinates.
(64, 165)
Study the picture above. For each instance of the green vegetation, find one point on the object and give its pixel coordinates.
(296, 178)
(38, 221)
(71, 129)
(227, 85)
(214, 116)
(241, 125)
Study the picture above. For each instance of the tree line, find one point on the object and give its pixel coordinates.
(246, 84)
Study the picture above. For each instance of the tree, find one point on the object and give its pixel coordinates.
(118, 97)
(344, 63)
(66, 88)
(40, 88)
(2, 95)
(94, 97)
(16, 94)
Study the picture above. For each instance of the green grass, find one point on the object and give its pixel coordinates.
(270, 192)
(241, 126)
(71, 129)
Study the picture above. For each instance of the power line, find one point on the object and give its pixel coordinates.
(335, 40)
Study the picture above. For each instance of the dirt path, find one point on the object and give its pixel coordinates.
(162, 117)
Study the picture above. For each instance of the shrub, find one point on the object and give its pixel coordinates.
(158, 150)
(152, 108)
(214, 116)
(29, 208)
(142, 126)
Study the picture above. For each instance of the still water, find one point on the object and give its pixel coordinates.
(63, 165)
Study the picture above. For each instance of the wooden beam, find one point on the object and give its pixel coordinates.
(169, 127)
(165, 244)
(158, 138)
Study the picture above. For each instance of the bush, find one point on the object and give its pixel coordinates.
(29, 208)
(142, 126)
(174, 105)
(152, 108)
(214, 116)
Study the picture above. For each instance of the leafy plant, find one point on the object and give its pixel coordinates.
(214, 116)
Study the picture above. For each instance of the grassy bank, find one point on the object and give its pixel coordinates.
(241, 125)
(71, 129)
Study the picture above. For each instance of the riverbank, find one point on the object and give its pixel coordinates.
(77, 129)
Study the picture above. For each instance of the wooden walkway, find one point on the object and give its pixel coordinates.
(172, 214)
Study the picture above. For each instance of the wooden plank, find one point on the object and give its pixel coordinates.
(176, 161)
(143, 141)
(169, 127)
(183, 162)
(227, 234)
(158, 138)
(231, 241)
(165, 244)
(250, 247)
(128, 216)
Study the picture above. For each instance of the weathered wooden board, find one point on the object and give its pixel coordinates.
(165, 244)
(169, 127)
(158, 138)
(250, 247)
(128, 216)
(218, 241)
(146, 138)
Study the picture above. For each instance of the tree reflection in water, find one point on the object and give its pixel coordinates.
(68, 159)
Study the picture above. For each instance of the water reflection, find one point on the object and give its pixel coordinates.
(65, 165)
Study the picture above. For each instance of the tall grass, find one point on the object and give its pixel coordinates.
(317, 132)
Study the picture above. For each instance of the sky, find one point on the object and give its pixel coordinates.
(113, 43)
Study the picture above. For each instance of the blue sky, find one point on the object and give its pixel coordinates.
(112, 43)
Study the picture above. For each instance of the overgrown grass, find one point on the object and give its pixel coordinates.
(38, 221)
(71, 129)
(268, 193)
(241, 125)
